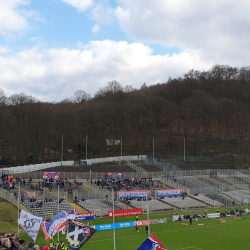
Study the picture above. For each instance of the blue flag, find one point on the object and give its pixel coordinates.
(151, 243)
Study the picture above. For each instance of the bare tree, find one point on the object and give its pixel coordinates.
(128, 88)
(111, 88)
(81, 97)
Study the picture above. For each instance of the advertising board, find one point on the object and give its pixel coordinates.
(213, 215)
(84, 216)
(120, 174)
(125, 212)
(108, 174)
(169, 192)
(134, 194)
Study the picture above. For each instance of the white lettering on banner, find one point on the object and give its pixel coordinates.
(213, 215)
(124, 224)
(126, 212)
(84, 215)
(142, 222)
(105, 226)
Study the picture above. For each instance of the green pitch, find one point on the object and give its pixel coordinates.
(213, 235)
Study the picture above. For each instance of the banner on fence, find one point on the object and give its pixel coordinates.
(31, 195)
(84, 216)
(134, 194)
(108, 174)
(213, 215)
(125, 212)
(169, 192)
(159, 221)
(119, 174)
(50, 175)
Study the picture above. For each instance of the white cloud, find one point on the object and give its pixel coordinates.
(80, 5)
(4, 50)
(14, 20)
(96, 28)
(55, 74)
(218, 29)
(11, 21)
(35, 15)
(103, 13)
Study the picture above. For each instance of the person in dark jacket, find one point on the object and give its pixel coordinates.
(35, 247)
(12, 241)
(30, 245)
(21, 245)
(190, 221)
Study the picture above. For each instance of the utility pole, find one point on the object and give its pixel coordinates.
(153, 149)
(184, 149)
(86, 147)
(113, 197)
(121, 146)
(62, 151)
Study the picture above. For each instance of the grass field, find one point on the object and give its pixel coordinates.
(213, 235)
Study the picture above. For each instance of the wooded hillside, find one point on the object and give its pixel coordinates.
(210, 109)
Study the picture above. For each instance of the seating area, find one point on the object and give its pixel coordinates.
(154, 205)
(186, 203)
(245, 193)
(206, 199)
(94, 205)
(242, 196)
(50, 207)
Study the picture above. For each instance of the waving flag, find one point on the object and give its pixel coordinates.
(57, 223)
(30, 224)
(77, 234)
(151, 243)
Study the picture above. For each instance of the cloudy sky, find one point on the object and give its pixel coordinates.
(51, 48)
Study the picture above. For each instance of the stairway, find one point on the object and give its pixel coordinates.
(231, 199)
(208, 206)
(129, 207)
(78, 207)
(175, 208)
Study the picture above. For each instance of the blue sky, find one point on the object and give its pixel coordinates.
(49, 49)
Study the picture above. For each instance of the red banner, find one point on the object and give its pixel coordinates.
(126, 212)
(142, 222)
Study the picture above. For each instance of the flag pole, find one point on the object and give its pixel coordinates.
(113, 195)
(148, 213)
(44, 199)
(58, 211)
(18, 213)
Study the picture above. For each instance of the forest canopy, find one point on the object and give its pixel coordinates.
(209, 109)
